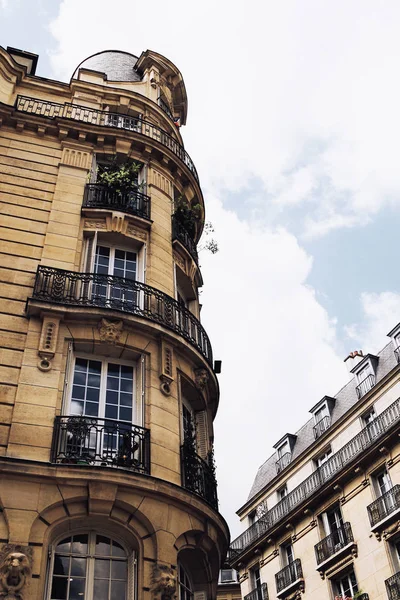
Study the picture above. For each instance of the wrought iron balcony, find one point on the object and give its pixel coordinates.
(283, 461)
(132, 202)
(100, 442)
(333, 466)
(198, 475)
(68, 288)
(384, 506)
(333, 543)
(259, 593)
(322, 425)
(365, 385)
(397, 353)
(289, 575)
(181, 234)
(104, 118)
(393, 587)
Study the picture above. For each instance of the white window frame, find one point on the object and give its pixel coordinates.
(182, 584)
(363, 373)
(137, 406)
(279, 451)
(89, 587)
(322, 458)
(87, 263)
(377, 487)
(282, 492)
(285, 559)
(323, 407)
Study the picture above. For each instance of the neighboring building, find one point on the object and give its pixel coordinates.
(228, 585)
(323, 514)
(108, 395)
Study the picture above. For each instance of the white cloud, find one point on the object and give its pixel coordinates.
(381, 313)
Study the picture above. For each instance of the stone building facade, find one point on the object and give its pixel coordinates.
(323, 516)
(108, 389)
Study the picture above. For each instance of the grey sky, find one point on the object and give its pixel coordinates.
(293, 125)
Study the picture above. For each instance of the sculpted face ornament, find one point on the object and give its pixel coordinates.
(110, 331)
(164, 583)
(201, 378)
(15, 568)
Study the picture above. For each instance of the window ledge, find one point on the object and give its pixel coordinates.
(298, 583)
(323, 566)
(377, 528)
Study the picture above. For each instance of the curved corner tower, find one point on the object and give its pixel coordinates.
(107, 481)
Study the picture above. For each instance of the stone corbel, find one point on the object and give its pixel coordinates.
(201, 377)
(48, 341)
(15, 571)
(166, 367)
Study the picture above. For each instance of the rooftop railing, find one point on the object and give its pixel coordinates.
(393, 587)
(181, 234)
(365, 385)
(333, 543)
(69, 288)
(288, 575)
(132, 202)
(104, 118)
(100, 442)
(259, 593)
(384, 506)
(322, 425)
(338, 461)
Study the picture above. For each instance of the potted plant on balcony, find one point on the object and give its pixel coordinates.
(120, 178)
(77, 434)
(187, 216)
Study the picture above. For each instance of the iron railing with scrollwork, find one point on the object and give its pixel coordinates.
(181, 234)
(198, 475)
(283, 461)
(259, 593)
(334, 542)
(338, 461)
(104, 118)
(132, 202)
(288, 575)
(322, 425)
(101, 442)
(393, 587)
(384, 506)
(119, 293)
(365, 385)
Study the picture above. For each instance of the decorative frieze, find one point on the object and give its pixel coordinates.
(74, 157)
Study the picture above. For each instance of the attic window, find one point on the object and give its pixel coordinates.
(322, 415)
(365, 373)
(284, 450)
(395, 335)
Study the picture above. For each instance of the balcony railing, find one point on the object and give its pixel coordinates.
(322, 425)
(104, 118)
(132, 202)
(365, 385)
(293, 572)
(334, 542)
(119, 293)
(283, 461)
(384, 506)
(101, 442)
(393, 587)
(198, 476)
(259, 593)
(338, 461)
(179, 233)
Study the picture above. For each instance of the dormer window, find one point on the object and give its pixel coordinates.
(365, 374)
(322, 415)
(395, 335)
(284, 450)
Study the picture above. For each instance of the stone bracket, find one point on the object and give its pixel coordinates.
(48, 340)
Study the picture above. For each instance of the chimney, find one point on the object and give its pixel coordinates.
(353, 359)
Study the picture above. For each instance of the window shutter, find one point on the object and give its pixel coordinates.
(202, 595)
(201, 433)
(132, 564)
(68, 368)
(88, 265)
(93, 170)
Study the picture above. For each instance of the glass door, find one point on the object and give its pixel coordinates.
(109, 291)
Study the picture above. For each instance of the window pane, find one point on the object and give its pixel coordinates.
(64, 545)
(101, 590)
(117, 550)
(61, 565)
(118, 590)
(78, 567)
(102, 569)
(125, 414)
(80, 544)
(59, 588)
(77, 589)
(118, 569)
(103, 546)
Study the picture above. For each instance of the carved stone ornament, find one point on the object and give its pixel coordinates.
(163, 584)
(165, 385)
(15, 570)
(200, 378)
(110, 331)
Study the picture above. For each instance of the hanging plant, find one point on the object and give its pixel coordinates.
(119, 178)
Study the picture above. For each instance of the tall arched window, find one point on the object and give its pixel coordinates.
(185, 585)
(89, 566)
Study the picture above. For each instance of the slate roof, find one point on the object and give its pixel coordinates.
(117, 65)
(345, 399)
